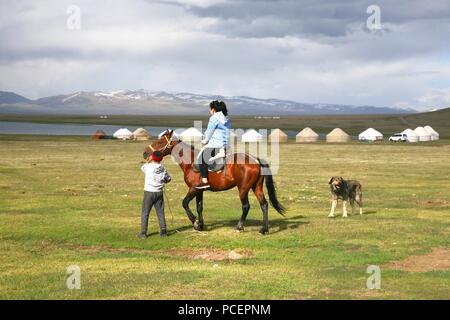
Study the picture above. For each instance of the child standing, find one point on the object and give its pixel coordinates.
(155, 178)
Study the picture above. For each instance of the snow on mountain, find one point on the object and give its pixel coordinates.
(148, 102)
(71, 97)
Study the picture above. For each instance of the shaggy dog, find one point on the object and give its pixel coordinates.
(346, 190)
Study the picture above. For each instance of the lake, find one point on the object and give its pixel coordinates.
(7, 127)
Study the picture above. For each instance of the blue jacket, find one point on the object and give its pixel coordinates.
(217, 134)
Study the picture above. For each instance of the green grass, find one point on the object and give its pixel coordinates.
(73, 201)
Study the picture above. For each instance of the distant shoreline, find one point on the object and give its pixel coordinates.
(352, 124)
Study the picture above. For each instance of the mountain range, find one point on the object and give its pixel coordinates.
(145, 102)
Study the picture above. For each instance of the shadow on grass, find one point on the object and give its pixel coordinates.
(369, 212)
(275, 225)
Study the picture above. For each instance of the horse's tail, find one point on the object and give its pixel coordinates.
(270, 185)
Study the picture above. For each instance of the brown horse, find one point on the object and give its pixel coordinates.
(245, 173)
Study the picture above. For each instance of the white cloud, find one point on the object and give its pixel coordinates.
(434, 98)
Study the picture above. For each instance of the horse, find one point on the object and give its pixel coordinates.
(243, 172)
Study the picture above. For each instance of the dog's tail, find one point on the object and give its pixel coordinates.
(270, 185)
(359, 195)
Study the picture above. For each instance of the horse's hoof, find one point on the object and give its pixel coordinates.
(239, 229)
(264, 231)
(198, 226)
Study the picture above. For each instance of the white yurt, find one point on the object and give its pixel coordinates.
(338, 135)
(191, 134)
(277, 135)
(123, 134)
(370, 135)
(432, 132)
(141, 134)
(176, 132)
(233, 136)
(252, 136)
(422, 134)
(307, 135)
(410, 135)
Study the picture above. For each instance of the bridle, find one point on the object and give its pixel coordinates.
(169, 141)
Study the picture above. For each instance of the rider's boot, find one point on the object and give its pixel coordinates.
(203, 185)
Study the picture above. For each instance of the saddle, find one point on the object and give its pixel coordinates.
(216, 163)
(216, 166)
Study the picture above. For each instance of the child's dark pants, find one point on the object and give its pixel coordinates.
(151, 199)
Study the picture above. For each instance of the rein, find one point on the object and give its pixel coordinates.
(163, 148)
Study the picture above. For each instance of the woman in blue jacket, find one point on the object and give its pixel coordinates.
(216, 139)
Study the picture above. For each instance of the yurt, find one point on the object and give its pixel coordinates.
(233, 136)
(338, 135)
(123, 134)
(99, 134)
(141, 134)
(191, 134)
(277, 135)
(251, 136)
(410, 135)
(307, 135)
(434, 135)
(176, 133)
(370, 135)
(422, 134)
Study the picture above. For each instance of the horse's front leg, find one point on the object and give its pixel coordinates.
(187, 199)
(198, 225)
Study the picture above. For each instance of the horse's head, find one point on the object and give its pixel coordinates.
(164, 144)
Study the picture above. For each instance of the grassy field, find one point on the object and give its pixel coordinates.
(73, 201)
(353, 124)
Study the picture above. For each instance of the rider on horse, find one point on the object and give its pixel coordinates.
(216, 139)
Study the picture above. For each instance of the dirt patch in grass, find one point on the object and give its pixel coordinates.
(211, 255)
(203, 254)
(433, 202)
(438, 259)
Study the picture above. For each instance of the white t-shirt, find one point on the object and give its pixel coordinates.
(155, 176)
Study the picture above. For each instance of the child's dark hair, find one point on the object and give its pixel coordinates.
(219, 106)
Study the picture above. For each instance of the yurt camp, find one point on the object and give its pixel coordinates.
(141, 134)
(338, 135)
(191, 135)
(410, 135)
(99, 134)
(251, 136)
(370, 135)
(123, 134)
(422, 134)
(307, 135)
(433, 133)
(277, 135)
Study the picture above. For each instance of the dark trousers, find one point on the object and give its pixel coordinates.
(203, 165)
(151, 199)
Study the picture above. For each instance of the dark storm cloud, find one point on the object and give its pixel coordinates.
(266, 18)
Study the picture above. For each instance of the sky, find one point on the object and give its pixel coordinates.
(302, 50)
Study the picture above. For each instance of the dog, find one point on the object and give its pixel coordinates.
(346, 190)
